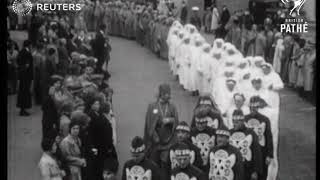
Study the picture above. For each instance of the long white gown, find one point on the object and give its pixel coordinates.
(273, 79)
(206, 60)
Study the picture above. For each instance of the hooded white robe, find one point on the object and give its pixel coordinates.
(184, 61)
(273, 79)
(172, 40)
(204, 70)
(197, 61)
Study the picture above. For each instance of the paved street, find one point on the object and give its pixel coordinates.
(136, 74)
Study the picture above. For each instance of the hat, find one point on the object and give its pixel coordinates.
(195, 8)
(75, 88)
(237, 115)
(137, 145)
(201, 112)
(236, 95)
(266, 65)
(55, 78)
(79, 116)
(231, 81)
(181, 150)
(254, 101)
(164, 88)
(228, 74)
(183, 126)
(256, 80)
(223, 130)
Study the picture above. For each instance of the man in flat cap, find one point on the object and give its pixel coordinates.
(195, 19)
(160, 124)
(247, 142)
(185, 170)
(140, 167)
(226, 161)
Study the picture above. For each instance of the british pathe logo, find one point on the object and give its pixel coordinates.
(297, 4)
(22, 7)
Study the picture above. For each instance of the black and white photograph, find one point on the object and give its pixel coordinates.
(161, 89)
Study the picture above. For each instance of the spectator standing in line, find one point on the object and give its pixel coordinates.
(25, 69)
(215, 19)
(195, 19)
(184, 13)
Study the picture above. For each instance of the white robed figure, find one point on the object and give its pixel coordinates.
(273, 83)
(209, 67)
(256, 63)
(183, 59)
(197, 72)
(172, 42)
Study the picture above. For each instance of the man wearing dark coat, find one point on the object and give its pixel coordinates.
(140, 167)
(247, 142)
(195, 19)
(225, 16)
(184, 13)
(100, 47)
(100, 133)
(260, 124)
(160, 125)
(25, 70)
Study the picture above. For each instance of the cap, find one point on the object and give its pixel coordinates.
(195, 8)
(237, 115)
(223, 130)
(137, 145)
(231, 81)
(183, 126)
(182, 150)
(164, 88)
(56, 77)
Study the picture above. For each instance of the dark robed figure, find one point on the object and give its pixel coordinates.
(161, 121)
